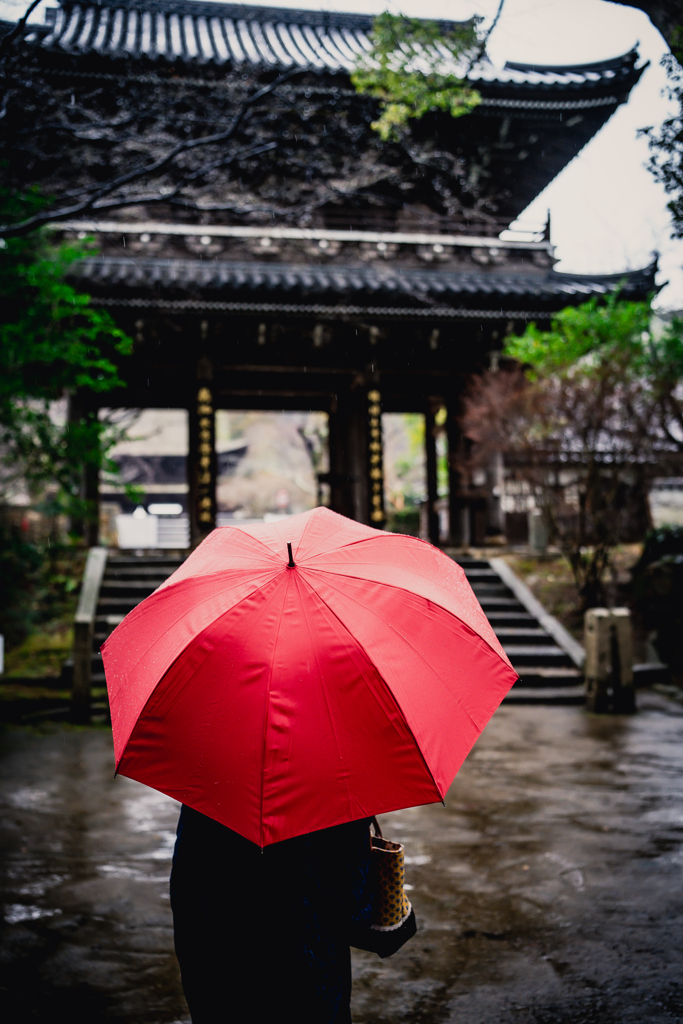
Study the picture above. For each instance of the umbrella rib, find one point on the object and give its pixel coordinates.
(256, 586)
(253, 536)
(421, 657)
(303, 533)
(390, 691)
(373, 539)
(248, 571)
(406, 590)
(179, 654)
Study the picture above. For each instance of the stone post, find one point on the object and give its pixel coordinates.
(608, 640)
(495, 517)
(355, 436)
(538, 532)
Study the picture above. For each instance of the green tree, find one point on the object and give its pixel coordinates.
(587, 411)
(414, 67)
(53, 344)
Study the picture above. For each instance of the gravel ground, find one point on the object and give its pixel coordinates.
(548, 890)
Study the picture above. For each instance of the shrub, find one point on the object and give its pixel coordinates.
(658, 592)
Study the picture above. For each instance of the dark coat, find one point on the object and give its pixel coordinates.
(262, 936)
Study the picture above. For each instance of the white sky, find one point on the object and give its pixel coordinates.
(607, 212)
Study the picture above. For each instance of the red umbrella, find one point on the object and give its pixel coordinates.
(284, 693)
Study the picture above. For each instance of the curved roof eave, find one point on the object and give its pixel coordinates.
(195, 32)
(221, 279)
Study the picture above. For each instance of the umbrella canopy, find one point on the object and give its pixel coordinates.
(281, 699)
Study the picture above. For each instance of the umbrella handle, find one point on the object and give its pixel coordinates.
(291, 564)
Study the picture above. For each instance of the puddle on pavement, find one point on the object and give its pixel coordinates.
(548, 888)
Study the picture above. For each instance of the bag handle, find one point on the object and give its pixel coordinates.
(375, 825)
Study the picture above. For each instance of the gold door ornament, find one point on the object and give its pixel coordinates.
(376, 474)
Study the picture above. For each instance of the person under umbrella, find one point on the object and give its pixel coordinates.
(287, 683)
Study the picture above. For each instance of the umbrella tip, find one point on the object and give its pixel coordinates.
(291, 563)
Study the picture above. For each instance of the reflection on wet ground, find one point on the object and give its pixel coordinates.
(548, 890)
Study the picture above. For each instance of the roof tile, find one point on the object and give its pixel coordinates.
(199, 32)
(332, 283)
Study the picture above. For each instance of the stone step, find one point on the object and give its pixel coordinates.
(157, 556)
(108, 622)
(143, 572)
(491, 590)
(113, 587)
(513, 618)
(529, 635)
(539, 676)
(549, 655)
(568, 695)
(500, 604)
(116, 605)
(163, 562)
(104, 626)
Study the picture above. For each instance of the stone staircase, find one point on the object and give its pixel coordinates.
(128, 579)
(548, 673)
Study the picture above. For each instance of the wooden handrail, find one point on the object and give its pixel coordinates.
(84, 628)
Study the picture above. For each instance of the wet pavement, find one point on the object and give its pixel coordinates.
(549, 890)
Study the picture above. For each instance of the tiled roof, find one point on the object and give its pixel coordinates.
(243, 284)
(193, 32)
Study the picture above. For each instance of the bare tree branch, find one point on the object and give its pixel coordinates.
(97, 191)
(17, 30)
(481, 50)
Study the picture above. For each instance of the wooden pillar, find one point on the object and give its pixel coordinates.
(202, 463)
(433, 532)
(458, 527)
(356, 454)
(495, 517)
(356, 444)
(82, 420)
(91, 486)
(340, 478)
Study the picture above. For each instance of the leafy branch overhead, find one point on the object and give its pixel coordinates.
(414, 67)
(53, 344)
